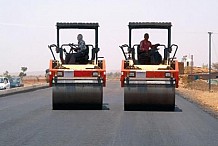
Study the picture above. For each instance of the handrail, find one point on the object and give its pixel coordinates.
(50, 47)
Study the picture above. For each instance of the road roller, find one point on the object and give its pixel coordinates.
(148, 78)
(78, 85)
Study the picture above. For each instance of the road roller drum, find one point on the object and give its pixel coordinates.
(77, 96)
(149, 96)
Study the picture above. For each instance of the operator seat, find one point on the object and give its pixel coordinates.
(155, 57)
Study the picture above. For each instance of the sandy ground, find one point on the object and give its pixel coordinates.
(198, 92)
(34, 80)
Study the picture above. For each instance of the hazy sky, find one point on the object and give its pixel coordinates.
(27, 27)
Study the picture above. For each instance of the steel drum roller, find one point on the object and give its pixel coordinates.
(149, 96)
(77, 96)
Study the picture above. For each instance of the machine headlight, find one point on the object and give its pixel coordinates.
(131, 74)
(95, 74)
(60, 73)
(167, 74)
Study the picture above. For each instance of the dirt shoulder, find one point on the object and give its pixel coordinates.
(34, 80)
(197, 92)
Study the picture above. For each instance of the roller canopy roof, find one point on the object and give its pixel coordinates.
(77, 25)
(158, 25)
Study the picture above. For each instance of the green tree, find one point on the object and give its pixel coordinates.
(215, 66)
(6, 74)
(22, 73)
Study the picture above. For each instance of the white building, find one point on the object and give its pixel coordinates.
(188, 61)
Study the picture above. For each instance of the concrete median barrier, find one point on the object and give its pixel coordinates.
(22, 89)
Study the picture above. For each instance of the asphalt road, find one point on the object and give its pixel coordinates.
(27, 119)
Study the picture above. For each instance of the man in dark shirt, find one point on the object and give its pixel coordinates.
(79, 51)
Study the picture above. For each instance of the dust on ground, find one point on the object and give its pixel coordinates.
(198, 92)
(34, 80)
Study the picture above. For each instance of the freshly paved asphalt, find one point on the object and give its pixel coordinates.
(27, 119)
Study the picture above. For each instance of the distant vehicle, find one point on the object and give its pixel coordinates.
(4, 83)
(16, 82)
(213, 81)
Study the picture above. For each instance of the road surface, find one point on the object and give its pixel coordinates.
(27, 119)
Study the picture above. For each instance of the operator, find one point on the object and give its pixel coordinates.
(145, 45)
(79, 50)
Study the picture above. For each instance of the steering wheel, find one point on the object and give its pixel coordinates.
(73, 47)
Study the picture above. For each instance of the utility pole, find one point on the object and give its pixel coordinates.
(209, 60)
(192, 64)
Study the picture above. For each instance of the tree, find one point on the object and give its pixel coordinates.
(24, 69)
(215, 66)
(22, 73)
(6, 74)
